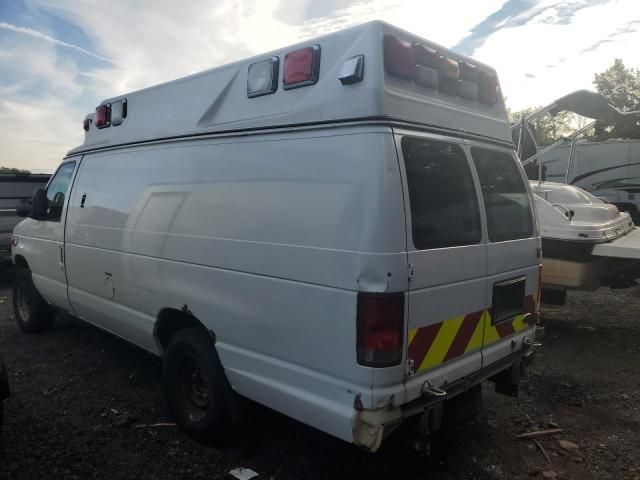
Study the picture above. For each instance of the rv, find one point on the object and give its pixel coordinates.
(609, 170)
(339, 230)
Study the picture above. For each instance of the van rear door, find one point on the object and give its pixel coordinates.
(447, 256)
(512, 251)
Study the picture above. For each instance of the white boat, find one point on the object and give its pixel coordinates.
(586, 241)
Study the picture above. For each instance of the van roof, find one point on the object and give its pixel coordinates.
(217, 101)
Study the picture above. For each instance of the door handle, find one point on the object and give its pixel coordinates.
(61, 256)
(84, 197)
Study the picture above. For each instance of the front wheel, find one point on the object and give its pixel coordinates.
(33, 314)
(194, 385)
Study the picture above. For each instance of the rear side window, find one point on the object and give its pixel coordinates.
(444, 205)
(506, 198)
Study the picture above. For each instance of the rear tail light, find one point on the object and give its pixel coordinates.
(487, 88)
(380, 329)
(14, 240)
(399, 58)
(102, 116)
(301, 67)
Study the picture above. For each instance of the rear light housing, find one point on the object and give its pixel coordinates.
(301, 67)
(86, 124)
(102, 117)
(380, 329)
(427, 66)
(14, 240)
(468, 86)
(488, 88)
(449, 74)
(399, 58)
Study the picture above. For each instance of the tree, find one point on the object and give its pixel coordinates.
(621, 86)
(547, 129)
(15, 171)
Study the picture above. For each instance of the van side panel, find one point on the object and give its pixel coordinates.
(265, 239)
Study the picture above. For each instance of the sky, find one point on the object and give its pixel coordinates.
(60, 58)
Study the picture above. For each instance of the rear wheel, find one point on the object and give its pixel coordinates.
(194, 385)
(33, 314)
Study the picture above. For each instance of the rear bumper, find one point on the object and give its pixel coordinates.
(419, 405)
(370, 427)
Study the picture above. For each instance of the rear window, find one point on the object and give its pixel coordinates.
(506, 198)
(443, 199)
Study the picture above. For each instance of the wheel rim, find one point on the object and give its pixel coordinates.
(193, 389)
(24, 302)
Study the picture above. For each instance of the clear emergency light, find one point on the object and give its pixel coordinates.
(262, 77)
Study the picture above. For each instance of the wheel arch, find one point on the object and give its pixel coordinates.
(171, 320)
(20, 261)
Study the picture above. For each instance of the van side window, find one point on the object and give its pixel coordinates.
(506, 198)
(444, 203)
(57, 190)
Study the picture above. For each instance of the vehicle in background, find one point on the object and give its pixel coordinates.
(609, 170)
(339, 230)
(587, 242)
(15, 193)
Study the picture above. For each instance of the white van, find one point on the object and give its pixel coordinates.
(339, 230)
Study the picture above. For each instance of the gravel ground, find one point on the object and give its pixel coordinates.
(79, 396)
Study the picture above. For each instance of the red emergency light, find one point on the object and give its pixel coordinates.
(399, 58)
(301, 67)
(103, 116)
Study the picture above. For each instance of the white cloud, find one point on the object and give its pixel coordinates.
(34, 33)
(554, 53)
(152, 43)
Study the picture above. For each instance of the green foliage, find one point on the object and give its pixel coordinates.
(548, 129)
(621, 86)
(15, 171)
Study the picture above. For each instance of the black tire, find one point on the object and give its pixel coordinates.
(33, 314)
(195, 386)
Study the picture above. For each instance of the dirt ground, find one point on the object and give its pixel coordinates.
(80, 395)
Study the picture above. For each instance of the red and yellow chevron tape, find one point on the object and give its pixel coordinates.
(434, 344)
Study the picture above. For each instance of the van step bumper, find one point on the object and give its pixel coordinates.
(419, 405)
(370, 427)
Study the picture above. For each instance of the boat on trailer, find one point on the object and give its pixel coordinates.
(586, 241)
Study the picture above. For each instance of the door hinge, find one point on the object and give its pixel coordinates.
(412, 271)
(410, 368)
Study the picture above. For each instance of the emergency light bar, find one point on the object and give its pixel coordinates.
(424, 66)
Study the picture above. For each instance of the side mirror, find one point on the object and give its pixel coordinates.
(24, 209)
(39, 204)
